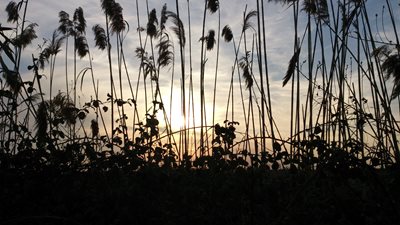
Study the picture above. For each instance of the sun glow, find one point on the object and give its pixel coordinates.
(176, 118)
(193, 114)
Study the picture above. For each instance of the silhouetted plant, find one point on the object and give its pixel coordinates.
(210, 39)
(12, 10)
(227, 33)
(152, 24)
(390, 65)
(79, 22)
(225, 135)
(247, 24)
(291, 67)
(100, 37)
(247, 75)
(26, 37)
(318, 8)
(213, 5)
(42, 124)
(81, 46)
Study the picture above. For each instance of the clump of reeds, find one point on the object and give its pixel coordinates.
(341, 103)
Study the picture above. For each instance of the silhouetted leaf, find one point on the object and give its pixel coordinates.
(29, 90)
(4, 47)
(178, 27)
(291, 67)
(81, 115)
(277, 147)
(247, 20)
(6, 94)
(82, 74)
(275, 165)
(5, 28)
(11, 77)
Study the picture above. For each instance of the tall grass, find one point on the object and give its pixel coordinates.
(341, 102)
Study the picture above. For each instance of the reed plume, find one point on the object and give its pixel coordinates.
(100, 37)
(12, 10)
(291, 67)
(227, 33)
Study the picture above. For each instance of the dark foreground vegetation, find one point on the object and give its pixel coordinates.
(67, 188)
(115, 157)
(180, 196)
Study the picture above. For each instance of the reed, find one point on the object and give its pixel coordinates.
(342, 78)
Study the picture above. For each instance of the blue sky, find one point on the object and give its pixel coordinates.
(279, 35)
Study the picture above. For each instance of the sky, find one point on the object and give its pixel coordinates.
(279, 38)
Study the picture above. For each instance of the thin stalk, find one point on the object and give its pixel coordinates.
(111, 81)
(191, 95)
(310, 75)
(74, 94)
(292, 107)
(120, 60)
(385, 100)
(96, 93)
(260, 67)
(269, 105)
(183, 91)
(202, 65)
(216, 67)
(66, 64)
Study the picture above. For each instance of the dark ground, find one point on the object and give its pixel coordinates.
(179, 196)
